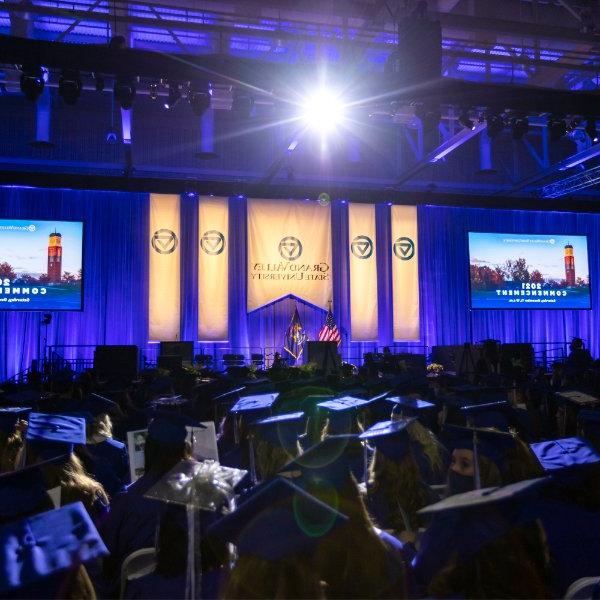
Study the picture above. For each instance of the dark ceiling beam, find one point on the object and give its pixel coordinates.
(256, 190)
(378, 88)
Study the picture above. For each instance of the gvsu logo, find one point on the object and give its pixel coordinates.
(362, 247)
(290, 248)
(404, 248)
(164, 241)
(213, 242)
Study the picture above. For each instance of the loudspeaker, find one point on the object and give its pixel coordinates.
(324, 355)
(119, 361)
(183, 349)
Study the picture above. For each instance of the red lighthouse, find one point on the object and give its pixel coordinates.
(569, 265)
(55, 257)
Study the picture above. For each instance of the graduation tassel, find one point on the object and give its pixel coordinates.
(252, 459)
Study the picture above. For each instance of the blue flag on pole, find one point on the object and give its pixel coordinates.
(295, 336)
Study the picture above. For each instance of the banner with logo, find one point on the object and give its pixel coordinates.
(363, 272)
(213, 269)
(405, 273)
(289, 252)
(164, 294)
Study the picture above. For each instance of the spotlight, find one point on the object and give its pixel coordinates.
(242, 103)
(323, 110)
(199, 97)
(495, 125)
(519, 126)
(590, 129)
(557, 128)
(465, 121)
(173, 97)
(69, 86)
(32, 82)
(125, 91)
(153, 90)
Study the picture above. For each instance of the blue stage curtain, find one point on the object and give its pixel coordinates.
(115, 273)
(444, 269)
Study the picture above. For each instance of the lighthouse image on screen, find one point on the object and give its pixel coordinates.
(41, 265)
(510, 270)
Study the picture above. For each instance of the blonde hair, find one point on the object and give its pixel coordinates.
(429, 444)
(289, 577)
(402, 486)
(353, 560)
(270, 458)
(101, 426)
(10, 448)
(76, 484)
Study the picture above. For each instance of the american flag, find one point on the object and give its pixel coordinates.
(329, 332)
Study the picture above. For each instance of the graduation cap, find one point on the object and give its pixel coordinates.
(341, 412)
(331, 460)
(465, 523)
(489, 414)
(54, 435)
(390, 438)
(278, 520)
(24, 491)
(23, 398)
(492, 443)
(253, 405)
(168, 427)
(96, 405)
(565, 455)
(280, 430)
(38, 547)
(9, 416)
(404, 406)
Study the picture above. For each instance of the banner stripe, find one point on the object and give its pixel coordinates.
(164, 268)
(289, 252)
(213, 269)
(405, 272)
(363, 272)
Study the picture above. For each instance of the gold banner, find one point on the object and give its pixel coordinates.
(289, 252)
(213, 269)
(405, 273)
(165, 252)
(363, 272)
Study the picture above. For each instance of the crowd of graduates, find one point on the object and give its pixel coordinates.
(383, 482)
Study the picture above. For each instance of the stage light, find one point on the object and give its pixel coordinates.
(242, 103)
(173, 97)
(199, 97)
(495, 125)
(32, 82)
(590, 129)
(125, 92)
(519, 126)
(153, 90)
(557, 128)
(69, 86)
(465, 121)
(323, 110)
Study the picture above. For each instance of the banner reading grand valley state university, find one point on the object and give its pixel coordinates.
(405, 273)
(165, 252)
(289, 252)
(213, 269)
(363, 272)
